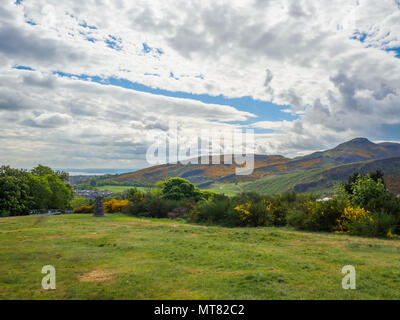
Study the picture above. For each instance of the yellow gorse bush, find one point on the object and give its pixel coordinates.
(115, 205)
(351, 215)
(244, 211)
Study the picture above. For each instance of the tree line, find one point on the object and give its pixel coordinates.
(42, 188)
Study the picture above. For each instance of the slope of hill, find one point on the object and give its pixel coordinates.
(320, 180)
(202, 174)
(356, 150)
(205, 175)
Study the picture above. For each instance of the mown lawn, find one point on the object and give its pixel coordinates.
(120, 257)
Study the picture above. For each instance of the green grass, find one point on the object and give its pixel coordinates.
(116, 189)
(120, 257)
(274, 184)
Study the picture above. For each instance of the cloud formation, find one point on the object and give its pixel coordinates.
(331, 62)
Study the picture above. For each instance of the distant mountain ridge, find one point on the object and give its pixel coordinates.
(205, 175)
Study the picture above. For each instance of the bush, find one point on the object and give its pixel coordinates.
(246, 197)
(216, 210)
(253, 213)
(278, 209)
(289, 197)
(179, 189)
(379, 224)
(318, 216)
(263, 213)
(78, 202)
(133, 195)
(373, 196)
(350, 217)
(114, 205)
(153, 206)
(84, 209)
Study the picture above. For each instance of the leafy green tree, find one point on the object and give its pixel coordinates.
(61, 194)
(373, 196)
(350, 182)
(40, 191)
(41, 171)
(179, 188)
(64, 176)
(78, 202)
(14, 192)
(377, 175)
(134, 195)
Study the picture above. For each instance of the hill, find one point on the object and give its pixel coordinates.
(319, 180)
(121, 257)
(282, 173)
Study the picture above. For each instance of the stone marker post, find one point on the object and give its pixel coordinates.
(98, 210)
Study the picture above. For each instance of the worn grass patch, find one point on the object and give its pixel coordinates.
(120, 257)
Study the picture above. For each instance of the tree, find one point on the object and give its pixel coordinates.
(373, 196)
(41, 171)
(350, 182)
(64, 176)
(78, 202)
(14, 192)
(134, 195)
(377, 175)
(61, 194)
(40, 191)
(179, 188)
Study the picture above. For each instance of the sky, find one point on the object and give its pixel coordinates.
(86, 84)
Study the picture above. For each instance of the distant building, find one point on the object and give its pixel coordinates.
(324, 199)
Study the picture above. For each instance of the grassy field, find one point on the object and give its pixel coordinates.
(117, 189)
(120, 257)
(273, 184)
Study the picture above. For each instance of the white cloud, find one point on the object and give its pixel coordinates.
(297, 53)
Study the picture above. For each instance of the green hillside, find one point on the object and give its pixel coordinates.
(320, 181)
(276, 174)
(274, 184)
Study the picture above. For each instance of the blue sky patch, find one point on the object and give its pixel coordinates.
(148, 49)
(23, 68)
(85, 25)
(396, 50)
(359, 36)
(265, 111)
(113, 43)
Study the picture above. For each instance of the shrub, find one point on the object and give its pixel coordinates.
(278, 209)
(246, 197)
(371, 194)
(289, 197)
(379, 224)
(352, 216)
(206, 194)
(84, 209)
(216, 210)
(254, 210)
(114, 205)
(78, 202)
(179, 188)
(153, 206)
(133, 195)
(318, 216)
